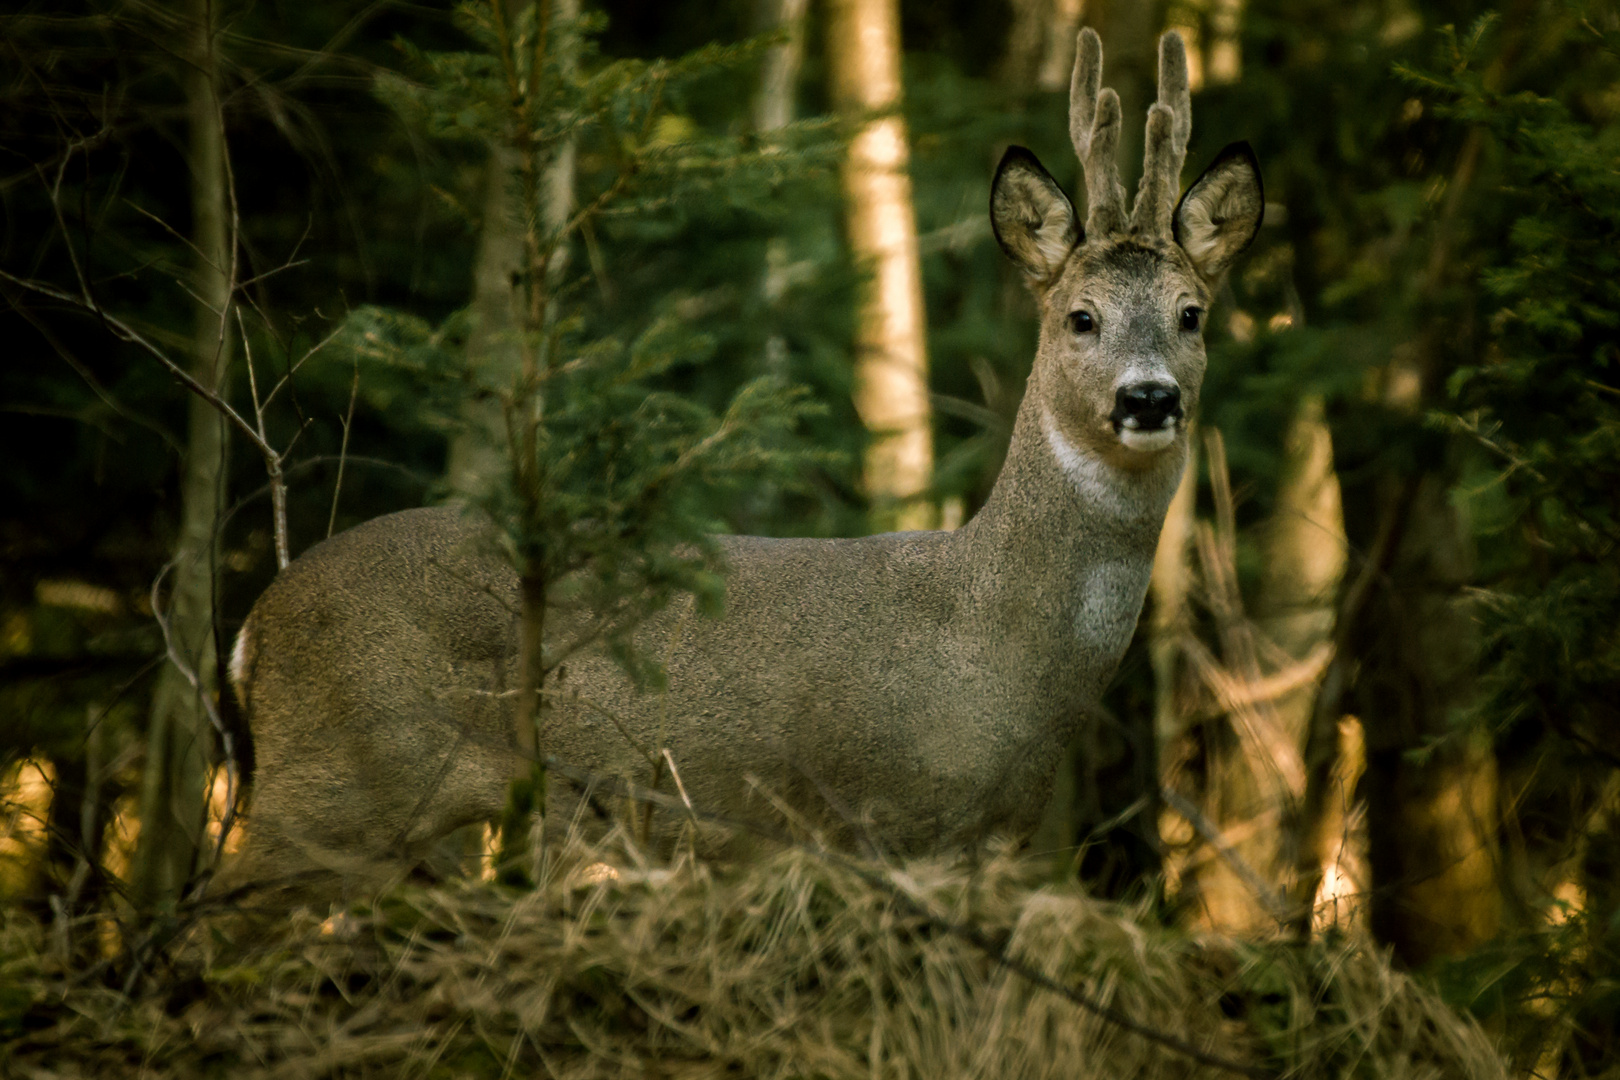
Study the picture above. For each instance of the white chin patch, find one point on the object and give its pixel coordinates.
(1147, 441)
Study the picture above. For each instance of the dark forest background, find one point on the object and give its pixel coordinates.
(1398, 555)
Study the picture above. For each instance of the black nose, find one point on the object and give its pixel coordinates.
(1146, 406)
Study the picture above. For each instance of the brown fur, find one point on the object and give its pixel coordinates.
(924, 684)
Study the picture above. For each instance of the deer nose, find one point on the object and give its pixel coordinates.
(1146, 406)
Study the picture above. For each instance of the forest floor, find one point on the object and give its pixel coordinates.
(798, 964)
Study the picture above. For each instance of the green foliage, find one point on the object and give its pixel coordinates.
(1543, 403)
(1546, 402)
(631, 479)
(617, 477)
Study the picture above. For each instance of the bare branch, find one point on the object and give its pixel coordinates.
(126, 333)
(1273, 903)
(272, 460)
(282, 382)
(89, 377)
(343, 450)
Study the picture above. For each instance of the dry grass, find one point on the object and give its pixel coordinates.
(791, 966)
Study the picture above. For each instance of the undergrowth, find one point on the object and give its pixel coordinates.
(792, 965)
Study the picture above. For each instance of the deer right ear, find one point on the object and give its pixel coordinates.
(1221, 213)
(1034, 221)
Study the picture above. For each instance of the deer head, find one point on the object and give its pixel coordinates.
(1123, 300)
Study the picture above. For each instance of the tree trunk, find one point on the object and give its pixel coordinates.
(546, 200)
(1431, 790)
(1040, 45)
(1304, 553)
(1431, 786)
(1224, 56)
(179, 741)
(774, 110)
(779, 76)
(478, 453)
(891, 365)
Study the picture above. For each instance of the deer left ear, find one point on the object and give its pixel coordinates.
(1221, 213)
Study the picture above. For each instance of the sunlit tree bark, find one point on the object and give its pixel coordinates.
(891, 365)
(1304, 553)
(1224, 54)
(180, 737)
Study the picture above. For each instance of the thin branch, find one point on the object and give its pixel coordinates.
(124, 332)
(1211, 832)
(282, 382)
(89, 377)
(272, 460)
(343, 450)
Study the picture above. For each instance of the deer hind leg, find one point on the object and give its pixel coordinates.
(366, 793)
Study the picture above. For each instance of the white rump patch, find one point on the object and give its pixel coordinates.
(241, 656)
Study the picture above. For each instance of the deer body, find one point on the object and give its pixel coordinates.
(923, 684)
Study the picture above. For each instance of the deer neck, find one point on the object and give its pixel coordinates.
(1061, 553)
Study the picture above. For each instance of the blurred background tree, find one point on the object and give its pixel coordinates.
(1374, 690)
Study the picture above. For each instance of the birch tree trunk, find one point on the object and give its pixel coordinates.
(891, 364)
(774, 110)
(478, 452)
(173, 795)
(779, 76)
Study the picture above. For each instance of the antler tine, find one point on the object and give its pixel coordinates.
(1169, 126)
(1175, 92)
(1083, 89)
(1094, 129)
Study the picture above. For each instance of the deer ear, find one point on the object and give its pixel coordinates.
(1034, 221)
(1221, 213)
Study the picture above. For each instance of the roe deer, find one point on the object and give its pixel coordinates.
(926, 682)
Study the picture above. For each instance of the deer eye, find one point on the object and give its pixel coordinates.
(1190, 318)
(1082, 322)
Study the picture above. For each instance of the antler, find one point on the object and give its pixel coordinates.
(1094, 120)
(1094, 127)
(1169, 126)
